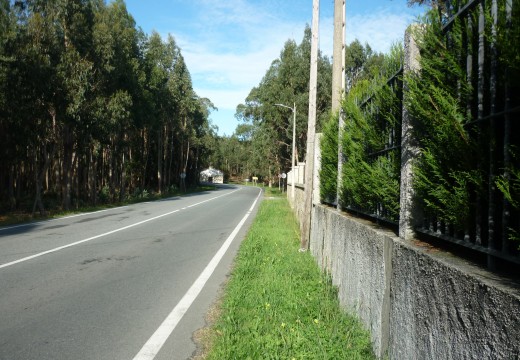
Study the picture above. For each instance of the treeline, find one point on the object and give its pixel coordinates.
(91, 108)
(262, 143)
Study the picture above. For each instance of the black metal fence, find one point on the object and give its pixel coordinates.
(492, 119)
(379, 111)
(492, 230)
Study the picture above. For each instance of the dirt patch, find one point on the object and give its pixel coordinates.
(204, 337)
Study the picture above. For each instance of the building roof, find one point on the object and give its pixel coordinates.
(211, 172)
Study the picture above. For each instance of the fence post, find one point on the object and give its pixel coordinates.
(317, 166)
(410, 214)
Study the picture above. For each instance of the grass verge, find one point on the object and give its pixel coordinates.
(277, 304)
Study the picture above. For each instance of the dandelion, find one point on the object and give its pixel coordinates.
(283, 325)
(316, 321)
(267, 305)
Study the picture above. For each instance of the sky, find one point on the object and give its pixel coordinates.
(228, 45)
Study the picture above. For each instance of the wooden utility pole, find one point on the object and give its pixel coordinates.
(338, 83)
(311, 130)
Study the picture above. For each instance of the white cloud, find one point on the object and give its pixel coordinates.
(230, 45)
(227, 77)
(224, 98)
(379, 29)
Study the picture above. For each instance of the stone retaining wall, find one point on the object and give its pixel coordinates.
(416, 301)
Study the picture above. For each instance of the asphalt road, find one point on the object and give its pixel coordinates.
(99, 285)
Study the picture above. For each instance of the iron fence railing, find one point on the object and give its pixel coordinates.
(492, 111)
(492, 120)
(391, 146)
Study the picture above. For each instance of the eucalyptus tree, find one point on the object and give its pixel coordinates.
(13, 133)
(285, 82)
(52, 70)
(186, 104)
(114, 118)
(90, 106)
(159, 61)
(361, 63)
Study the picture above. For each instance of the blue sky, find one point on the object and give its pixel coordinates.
(228, 45)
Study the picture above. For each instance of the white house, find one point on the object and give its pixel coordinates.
(212, 176)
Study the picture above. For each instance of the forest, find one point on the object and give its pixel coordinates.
(92, 109)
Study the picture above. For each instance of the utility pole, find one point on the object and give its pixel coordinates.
(311, 130)
(338, 83)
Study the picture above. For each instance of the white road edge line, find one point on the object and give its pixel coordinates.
(105, 234)
(152, 347)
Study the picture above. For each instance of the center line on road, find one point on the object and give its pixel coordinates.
(152, 347)
(105, 234)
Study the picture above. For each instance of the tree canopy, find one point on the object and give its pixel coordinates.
(266, 132)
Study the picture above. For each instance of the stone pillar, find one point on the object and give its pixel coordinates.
(301, 173)
(317, 167)
(409, 214)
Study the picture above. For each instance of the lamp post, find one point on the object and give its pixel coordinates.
(293, 109)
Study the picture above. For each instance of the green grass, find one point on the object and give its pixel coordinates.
(277, 304)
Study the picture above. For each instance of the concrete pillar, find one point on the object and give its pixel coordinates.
(317, 167)
(301, 173)
(409, 213)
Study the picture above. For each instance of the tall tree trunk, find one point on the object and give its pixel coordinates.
(67, 167)
(159, 160)
(39, 175)
(165, 157)
(122, 191)
(10, 186)
(92, 177)
(145, 155)
(171, 157)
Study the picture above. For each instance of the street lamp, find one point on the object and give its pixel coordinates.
(293, 109)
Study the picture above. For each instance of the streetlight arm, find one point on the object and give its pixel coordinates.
(285, 106)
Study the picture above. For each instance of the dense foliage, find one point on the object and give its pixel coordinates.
(446, 171)
(91, 108)
(453, 99)
(329, 161)
(463, 101)
(370, 179)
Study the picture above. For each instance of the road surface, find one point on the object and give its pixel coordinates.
(122, 283)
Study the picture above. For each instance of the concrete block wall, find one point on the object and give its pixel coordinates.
(445, 308)
(297, 204)
(416, 301)
(356, 257)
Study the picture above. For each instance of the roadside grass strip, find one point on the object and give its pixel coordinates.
(278, 305)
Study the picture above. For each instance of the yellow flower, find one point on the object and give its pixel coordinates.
(316, 321)
(283, 325)
(267, 305)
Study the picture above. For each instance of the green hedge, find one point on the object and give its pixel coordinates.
(369, 183)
